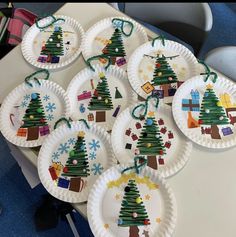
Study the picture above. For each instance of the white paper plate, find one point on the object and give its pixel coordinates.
(55, 104)
(104, 205)
(141, 68)
(72, 38)
(94, 40)
(56, 148)
(81, 83)
(176, 155)
(221, 87)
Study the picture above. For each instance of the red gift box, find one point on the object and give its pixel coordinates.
(170, 135)
(52, 172)
(167, 144)
(163, 130)
(161, 122)
(161, 161)
(121, 62)
(138, 125)
(128, 132)
(22, 132)
(90, 117)
(85, 95)
(134, 137)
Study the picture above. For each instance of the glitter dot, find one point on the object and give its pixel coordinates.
(207, 111)
(116, 49)
(135, 215)
(50, 39)
(75, 162)
(58, 45)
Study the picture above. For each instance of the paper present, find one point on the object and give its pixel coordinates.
(85, 95)
(53, 173)
(195, 95)
(225, 100)
(58, 167)
(128, 146)
(128, 132)
(168, 144)
(161, 161)
(159, 93)
(206, 130)
(120, 62)
(90, 117)
(160, 121)
(227, 131)
(147, 87)
(171, 91)
(170, 135)
(138, 125)
(22, 132)
(44, 130)
(63, 183)
(134, 137)
(231, 113)
(42, 59)
(55, 59)
(103, 60)
(190, 105)
(163, 130)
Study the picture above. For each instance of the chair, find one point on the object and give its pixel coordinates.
(223, 60)
(188, 21)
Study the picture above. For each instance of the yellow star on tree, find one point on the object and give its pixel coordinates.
(209, 86)
(81, 134)
(151, 113)
(158, 220)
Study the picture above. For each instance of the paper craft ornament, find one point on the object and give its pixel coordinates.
(156, 138)
(115, 38)
(56, 41)
(141, 204)
(103, 104)
(207, 119)
(68, 165)
(28, 113)
(160, 67)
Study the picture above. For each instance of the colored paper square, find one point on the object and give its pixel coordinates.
(147, 87)
(128, 146)
(55, 59)
(63, 183)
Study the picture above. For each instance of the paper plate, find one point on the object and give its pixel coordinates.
(128, 132)
(141, 69)
(98, 36)
(55, 155)
(108, 192)
(206, 112)
(68, 36)
(82, 90)
(51, 99)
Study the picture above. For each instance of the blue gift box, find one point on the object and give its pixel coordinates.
(227, 131)
(42, 59)
(171, 91)
(159, 93)
(195, 95)
(55, 59)
(63, 183)
(190, 105)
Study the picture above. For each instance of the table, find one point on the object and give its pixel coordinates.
(205, 189)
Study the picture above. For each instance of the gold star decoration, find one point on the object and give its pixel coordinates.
(106, 226)
(147, 197)
(81, 134)
(101, 75)
(209, 86)
(158, 220)
(151, 113)
(117, 197)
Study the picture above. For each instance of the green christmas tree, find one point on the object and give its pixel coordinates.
(54, 45)
(163, 73)
(115, 47)
(77, 163)
(34, 114)
(150, 141)
(212, 113)
(132, 212)
(101, 99)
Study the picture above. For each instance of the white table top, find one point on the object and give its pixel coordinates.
(205, 189)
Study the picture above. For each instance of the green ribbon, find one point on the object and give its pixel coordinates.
(32, 77)
(53, 21)
(122, 26)
(62, 119)
(145, 106)
(85, 122)
(160, 37)
(137, 165)
(208, 72)
(97, 57)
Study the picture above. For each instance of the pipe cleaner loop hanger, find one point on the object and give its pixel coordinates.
(119, 23)
(208, 72)
(67, 121)
(145, 107)
(85, 123)
(88, 62)
(160, 37)
(52, 21)
(33, 77)
(139, 162)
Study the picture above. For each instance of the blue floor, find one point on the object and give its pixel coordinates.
(19, 201)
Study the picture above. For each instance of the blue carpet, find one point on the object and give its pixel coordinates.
(19, 203)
